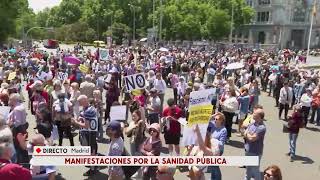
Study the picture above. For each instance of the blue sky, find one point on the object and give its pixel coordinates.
(38, 5)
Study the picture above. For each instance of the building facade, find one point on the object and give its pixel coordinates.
(285, 23)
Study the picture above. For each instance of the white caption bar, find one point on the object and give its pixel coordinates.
(145, 161)
(61, 150)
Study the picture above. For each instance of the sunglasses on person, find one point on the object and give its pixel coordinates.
(268, 175)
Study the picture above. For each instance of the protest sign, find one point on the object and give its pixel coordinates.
(62, 76)
(4, 111)
(12, 76)
(118, 113)
(200, 107)
(136, 81)
(200, 110)
(83, 68)
(199, 114)
(104, 54)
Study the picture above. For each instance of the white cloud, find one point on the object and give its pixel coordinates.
(38, 5)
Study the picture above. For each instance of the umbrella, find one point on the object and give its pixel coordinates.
(143, 39)
(236, 65)
(12, 51)
(72, 60)
(164, 49)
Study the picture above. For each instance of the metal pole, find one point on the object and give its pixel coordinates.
(153, 17)
(231, 24)
(26, 35)
(134, 24)
(310, 31)
(160, 25)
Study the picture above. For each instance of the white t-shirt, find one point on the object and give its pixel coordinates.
(160, 86)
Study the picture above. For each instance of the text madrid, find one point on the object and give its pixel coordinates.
(142, 160)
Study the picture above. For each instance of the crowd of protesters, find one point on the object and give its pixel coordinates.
(63, 100)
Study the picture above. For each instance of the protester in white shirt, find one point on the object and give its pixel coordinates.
(161, 86)
(285, 99)
(305, 103)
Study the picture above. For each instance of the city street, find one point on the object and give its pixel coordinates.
(276, 146)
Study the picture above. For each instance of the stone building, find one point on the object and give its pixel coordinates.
(285, 23)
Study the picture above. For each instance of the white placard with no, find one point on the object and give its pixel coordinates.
(136, 81)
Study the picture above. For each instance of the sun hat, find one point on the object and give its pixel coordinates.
(114, 126)
(155, 126)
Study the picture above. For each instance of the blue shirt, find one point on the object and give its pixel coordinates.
(90, 114)
(255, 147)
(244, 103)
(218, 133)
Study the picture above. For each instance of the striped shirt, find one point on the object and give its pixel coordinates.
(90, 114)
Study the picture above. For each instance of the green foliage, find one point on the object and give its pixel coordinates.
(88, 20)
(9, 12)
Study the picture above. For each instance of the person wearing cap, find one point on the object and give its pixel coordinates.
(8, 169)
(153, 106)
(116, 148)
(285, 99)
(151, 147)
(88, 123)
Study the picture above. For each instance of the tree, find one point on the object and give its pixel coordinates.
(182, 19)
(69, 11)
(218, 24)
(9, 12)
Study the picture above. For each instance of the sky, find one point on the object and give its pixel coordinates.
(38, 5)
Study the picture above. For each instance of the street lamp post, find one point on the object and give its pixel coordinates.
(134, 22)
(160, 24)
(231, 24)
(36, 27)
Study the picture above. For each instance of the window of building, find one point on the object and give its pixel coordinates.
(250, 3)
(263, 2)
(263, 16)
(299, 15)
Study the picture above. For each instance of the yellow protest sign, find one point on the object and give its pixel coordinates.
(12, 76)
(199, 114)
(136, 92)
(83, 68)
